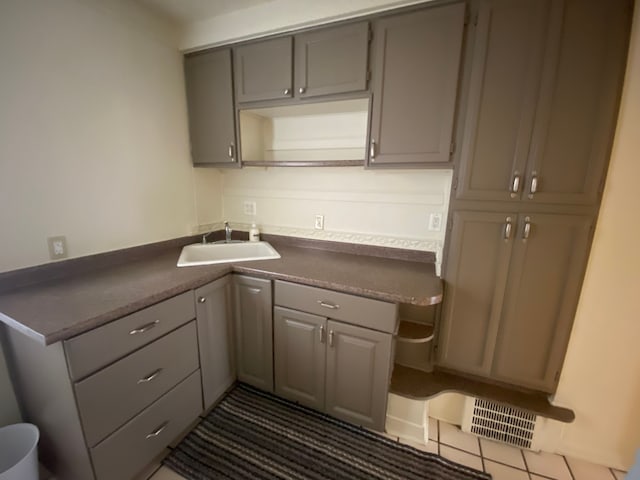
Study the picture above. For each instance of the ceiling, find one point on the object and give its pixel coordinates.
(187, 11)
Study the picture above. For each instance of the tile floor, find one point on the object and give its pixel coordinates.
(501, 461)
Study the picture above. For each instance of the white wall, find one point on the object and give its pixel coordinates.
(601, 375)
(384, 207)
(93, 132)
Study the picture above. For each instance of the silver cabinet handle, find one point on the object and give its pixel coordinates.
(526, 231)
(533, 188)
(515, 184)
(508, 226)
(254, 289)
(158, 430)
(332, 306)
(231, 152)
(331, 338)
(149, 377)
(144, 328)
(202, 299)
(287, 91)
(302, 89)
(372, 151)
(322, 340)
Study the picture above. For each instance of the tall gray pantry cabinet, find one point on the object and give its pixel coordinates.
(543, 93)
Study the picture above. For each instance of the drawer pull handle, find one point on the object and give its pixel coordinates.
(150, 377)
(158, 430)
(144, 328)
(332, 306)
(202, 299)
(322, 339)
(331, 338)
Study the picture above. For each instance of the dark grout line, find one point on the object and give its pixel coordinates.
(613, 474)
(567, 463)
(484, 468)
(438, 435)
(526, 465)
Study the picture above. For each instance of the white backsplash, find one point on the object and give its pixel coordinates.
(382, 207)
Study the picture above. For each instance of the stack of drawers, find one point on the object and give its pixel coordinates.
(137, 385)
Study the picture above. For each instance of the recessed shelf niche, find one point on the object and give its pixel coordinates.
(313, 132)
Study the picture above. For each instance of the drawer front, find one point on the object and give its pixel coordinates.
(116, 393)
(132, 447)
(93, 350)
(340, 306)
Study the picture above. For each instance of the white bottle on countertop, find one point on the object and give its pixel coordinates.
(254, 233)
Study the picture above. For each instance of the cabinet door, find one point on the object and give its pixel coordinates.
(210, 104)
(542, 292)
(254, 331)
(215, 339)
(505, 77)
(299, 356)
(579, 101)
(332, 60)
(415, 81)
(358, 368)
(475, 280)
(263, 70)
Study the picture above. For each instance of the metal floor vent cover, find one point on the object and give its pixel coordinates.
(499, 422)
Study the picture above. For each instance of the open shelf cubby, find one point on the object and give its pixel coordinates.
(414, 338)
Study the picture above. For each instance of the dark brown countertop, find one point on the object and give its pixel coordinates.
(59, 309)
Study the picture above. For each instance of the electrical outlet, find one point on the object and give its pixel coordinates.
(319, 222)
(435, 222)
(249, 208)
(57, 247)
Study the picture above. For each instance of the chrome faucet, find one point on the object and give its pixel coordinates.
(227, 232)
(204, 237)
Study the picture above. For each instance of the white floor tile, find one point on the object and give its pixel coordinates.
(502, 472)
(461, 457)
(502, 453)
(547, 464)
(166, 474)
(620, 475)
(453, 436)
(588, 471)
(433, 429)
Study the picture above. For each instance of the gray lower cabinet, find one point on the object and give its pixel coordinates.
(416, 60)
(544, 89)
(299, 344)
(253, 331)
(109, 401)
(215, 334)
(208, 80)
(333, 366)
(512, 286)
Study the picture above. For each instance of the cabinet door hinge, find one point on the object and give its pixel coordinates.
(368, 75)
(370, 35)
(557, 376)
(449, 223)
(452, 148)
(454, 182)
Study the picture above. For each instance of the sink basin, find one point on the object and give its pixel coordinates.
(210, 253)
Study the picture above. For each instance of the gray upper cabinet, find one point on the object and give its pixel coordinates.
(543, 99)
(332, 60)
(358, 372)
(416, 61)
(215, 339)
(254, 331)
(512, 289)
(578, 107)
(209, 88)
(264, 70)
(545, 276)
(505, 73)
(299, 356)
(476, 277)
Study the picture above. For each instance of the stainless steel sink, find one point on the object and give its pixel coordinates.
(211, 253)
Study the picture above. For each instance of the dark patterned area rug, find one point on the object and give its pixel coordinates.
(254, 435)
